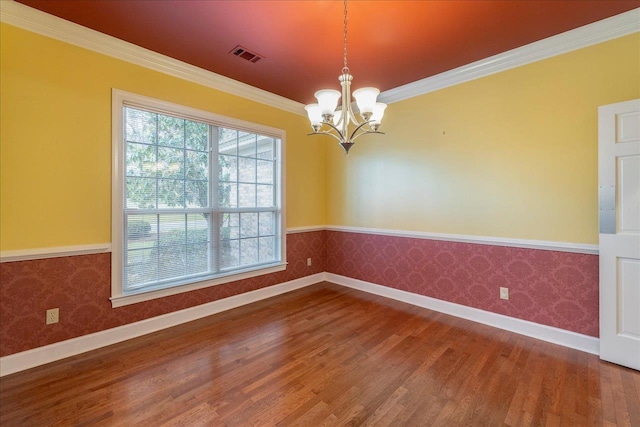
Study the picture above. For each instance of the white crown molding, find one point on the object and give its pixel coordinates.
(597, 32)
(50, 353)
(39, 22)
(481, 240)
(53, 252)
(523, 327)
(25, 17)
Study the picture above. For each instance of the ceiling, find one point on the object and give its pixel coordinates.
(390, 43)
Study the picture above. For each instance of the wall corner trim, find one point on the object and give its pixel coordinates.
(598, 32)
(34, 20)
(523, 327)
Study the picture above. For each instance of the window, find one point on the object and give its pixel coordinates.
(196, 199)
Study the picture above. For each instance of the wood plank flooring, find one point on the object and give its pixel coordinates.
(321, 356)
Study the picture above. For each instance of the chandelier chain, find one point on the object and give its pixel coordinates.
(345, 70)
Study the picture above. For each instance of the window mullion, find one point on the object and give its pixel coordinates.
(157, 245)
(157, 199)
(184, 163)
(214, 194)
(184, 197)
(247, 210)
(255, 164)
(125, 222)
(277, 217)
(274, 171)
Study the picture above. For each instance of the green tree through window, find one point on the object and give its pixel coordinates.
(199, 199)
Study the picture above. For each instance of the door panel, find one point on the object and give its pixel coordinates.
(629, 202)
(619, 181)
(628, 297)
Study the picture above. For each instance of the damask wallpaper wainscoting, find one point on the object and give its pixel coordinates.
(558, 289)
(81, 286)
(547, 287)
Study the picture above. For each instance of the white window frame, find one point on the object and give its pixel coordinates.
(121, 99)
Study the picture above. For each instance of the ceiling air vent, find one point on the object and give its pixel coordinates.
(246, 54)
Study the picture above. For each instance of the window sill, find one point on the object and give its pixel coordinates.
(133, 298)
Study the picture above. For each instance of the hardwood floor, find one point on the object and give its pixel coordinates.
(325, 355)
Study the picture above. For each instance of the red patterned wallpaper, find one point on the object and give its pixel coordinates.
(81, 287)
(558, 289)
(552, 288)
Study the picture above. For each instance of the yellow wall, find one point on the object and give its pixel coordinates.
(509, 155)
(56, 140)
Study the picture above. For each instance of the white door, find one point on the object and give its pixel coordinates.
(619, 182)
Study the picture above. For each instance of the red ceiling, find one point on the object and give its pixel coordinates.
(390, 43)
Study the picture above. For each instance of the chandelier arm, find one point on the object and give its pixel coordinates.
(360, 127)
(354, 119)
(326, 132)
(352, 115)
(364, 133)
(334, 128)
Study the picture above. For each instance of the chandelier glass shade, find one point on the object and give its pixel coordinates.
(327, 118)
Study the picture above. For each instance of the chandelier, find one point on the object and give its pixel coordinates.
(327, 119)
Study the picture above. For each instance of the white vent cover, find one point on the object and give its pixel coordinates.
(244, 53)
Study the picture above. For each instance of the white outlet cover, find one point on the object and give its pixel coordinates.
(53, 316)
(504, 293)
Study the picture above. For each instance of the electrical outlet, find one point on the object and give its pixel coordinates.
(504, 293)
(308, 262)
(53, 315)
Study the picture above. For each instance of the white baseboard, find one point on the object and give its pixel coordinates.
(60, 350)
(523, 327)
